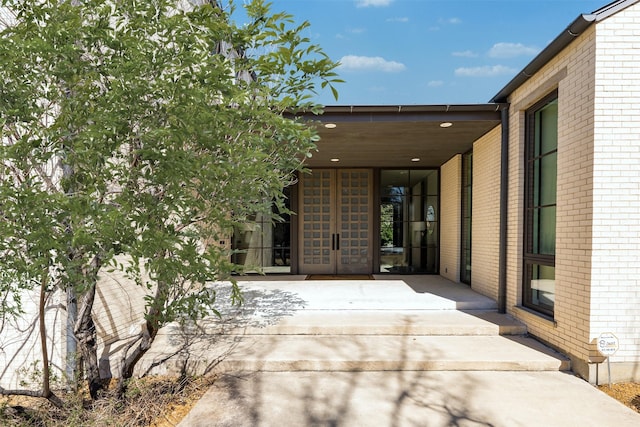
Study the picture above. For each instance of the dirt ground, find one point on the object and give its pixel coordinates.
(627, 393)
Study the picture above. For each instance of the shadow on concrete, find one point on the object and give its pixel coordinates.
(196, 348)
(348, 395)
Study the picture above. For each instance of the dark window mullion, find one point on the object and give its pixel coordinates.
(538, 218)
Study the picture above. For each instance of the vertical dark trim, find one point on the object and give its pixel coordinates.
(466, 207)
(296, 207)
(504, 199)
(376, 243)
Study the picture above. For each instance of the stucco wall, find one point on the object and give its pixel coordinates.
(598, 203)
(615, 269)
(450, 218)
(485, 229)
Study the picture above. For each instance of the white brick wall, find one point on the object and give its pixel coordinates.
(450, 218)
(615, 269)
(20, 349)
(118, 314)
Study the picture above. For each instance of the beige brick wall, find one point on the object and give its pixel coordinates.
(615, 269)
(598, 199)
(572, 72)
(450, 222)
(485, 228)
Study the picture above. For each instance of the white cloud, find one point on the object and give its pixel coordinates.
(451, 21)
(486, 71)
(511, 50)
(435, 83)
(356, 30)
(398, 19)
(376, 63)
(373, 3)
(465, 54)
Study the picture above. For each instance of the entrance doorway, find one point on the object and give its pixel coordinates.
(336, 222)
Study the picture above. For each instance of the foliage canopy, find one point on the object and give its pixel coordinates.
(145, 128)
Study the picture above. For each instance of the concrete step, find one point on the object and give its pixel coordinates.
(373, 322)
(280, 353)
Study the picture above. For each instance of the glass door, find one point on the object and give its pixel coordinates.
(409, 221)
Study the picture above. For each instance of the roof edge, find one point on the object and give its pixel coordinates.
(405, 109)
(572, 32)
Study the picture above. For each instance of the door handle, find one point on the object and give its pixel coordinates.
(335, 242)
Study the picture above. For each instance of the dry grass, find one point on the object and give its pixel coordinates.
(153, 401)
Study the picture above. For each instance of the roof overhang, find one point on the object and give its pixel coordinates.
(396, 136)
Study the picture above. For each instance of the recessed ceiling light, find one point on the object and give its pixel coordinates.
(415, 159)
(335, 159)
(446, 124)
(330, 125)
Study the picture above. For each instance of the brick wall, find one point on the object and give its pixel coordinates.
(572, 73)
(485, 229)
(118, 314)
(598, 198)
(615, 269)
(20, 349)
(450, 218)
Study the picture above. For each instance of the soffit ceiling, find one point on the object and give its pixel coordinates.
(391, 137)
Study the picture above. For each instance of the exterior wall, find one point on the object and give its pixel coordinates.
(20, 349)
(572, 72)
(118, 314)
(450, 218)
(615, 270)
(598, 197)
(485, 228)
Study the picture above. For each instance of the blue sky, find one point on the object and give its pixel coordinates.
(408, 52)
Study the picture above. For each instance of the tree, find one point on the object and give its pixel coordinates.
(148, 129)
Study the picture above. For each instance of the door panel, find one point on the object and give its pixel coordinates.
(317, 230)
(336, 223)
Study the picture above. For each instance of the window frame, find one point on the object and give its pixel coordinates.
(530, 258)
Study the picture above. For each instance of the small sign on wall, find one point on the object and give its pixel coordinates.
(608, 344)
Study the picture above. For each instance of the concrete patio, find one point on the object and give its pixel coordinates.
(395, 351)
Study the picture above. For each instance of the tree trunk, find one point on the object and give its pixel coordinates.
(144, 341)
(85, 332)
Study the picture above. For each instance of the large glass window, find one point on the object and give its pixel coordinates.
(264, 244)
(409, 228)
(541, 146)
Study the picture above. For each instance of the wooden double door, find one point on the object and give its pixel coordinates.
(336, 222)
